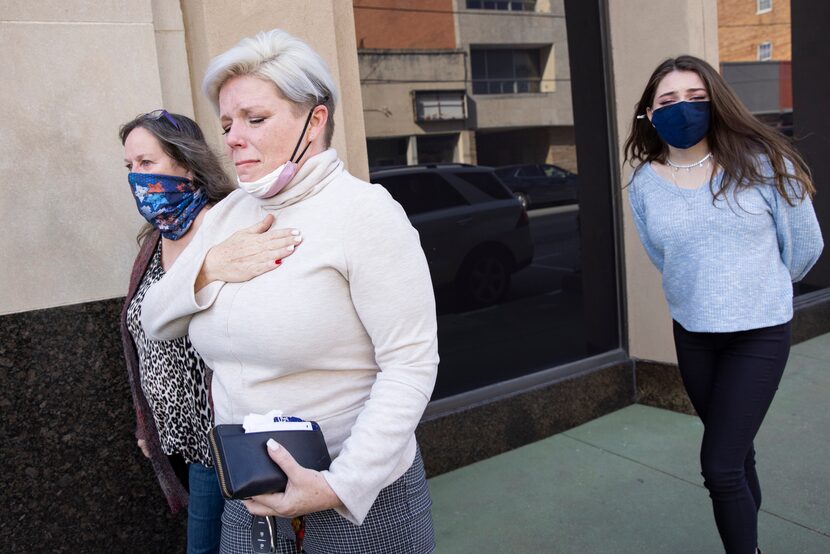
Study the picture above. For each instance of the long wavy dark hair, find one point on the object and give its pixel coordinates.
(736, 138)
(186, 145)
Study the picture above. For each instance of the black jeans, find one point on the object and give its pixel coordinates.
(731, 379)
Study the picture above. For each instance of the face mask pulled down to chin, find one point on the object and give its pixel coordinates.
(271, 184)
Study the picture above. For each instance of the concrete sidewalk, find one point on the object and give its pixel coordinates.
(629, 482)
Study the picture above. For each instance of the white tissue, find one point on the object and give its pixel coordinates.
(272, 421)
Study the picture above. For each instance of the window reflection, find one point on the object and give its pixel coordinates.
(470, 128)
(505, 71)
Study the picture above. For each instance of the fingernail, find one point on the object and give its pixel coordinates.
(278, 262)
(273, 445)
(298, 238)
(290, 247)
(295, 232)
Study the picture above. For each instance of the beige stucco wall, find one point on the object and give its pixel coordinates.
(171, 55)
(643, 33)
(73, 72)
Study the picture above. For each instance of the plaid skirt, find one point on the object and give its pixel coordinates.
(399, 521)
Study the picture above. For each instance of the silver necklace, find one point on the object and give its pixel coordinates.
(677, 167)
(688, 167)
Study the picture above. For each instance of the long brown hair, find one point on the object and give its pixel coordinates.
(185, 143)
(736, 138)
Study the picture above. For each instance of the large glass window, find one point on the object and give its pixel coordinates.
(505, 71)
(518, 234)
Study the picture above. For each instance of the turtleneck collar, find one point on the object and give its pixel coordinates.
(317, 172)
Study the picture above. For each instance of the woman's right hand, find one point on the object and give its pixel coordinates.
(142, 444)
(248, 253)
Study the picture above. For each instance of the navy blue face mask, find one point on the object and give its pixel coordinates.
(682, 124)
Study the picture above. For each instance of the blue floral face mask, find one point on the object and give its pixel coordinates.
(169, 203)
(682, 124)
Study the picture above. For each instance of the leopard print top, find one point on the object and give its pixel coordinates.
(173, 381)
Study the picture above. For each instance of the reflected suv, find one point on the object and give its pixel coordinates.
(474, 232)
(537, 185)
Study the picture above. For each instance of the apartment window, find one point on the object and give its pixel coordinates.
(440, 105)
(764, 6)
(765, 51)
(514, 6)
(387, 151)
(505, 71)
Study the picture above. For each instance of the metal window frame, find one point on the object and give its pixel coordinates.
(463, 93)
(761, 46)
(514, 81)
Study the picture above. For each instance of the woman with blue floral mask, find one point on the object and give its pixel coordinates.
(722, 206)
(175, 179)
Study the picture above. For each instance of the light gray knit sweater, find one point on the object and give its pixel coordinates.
(728, 265)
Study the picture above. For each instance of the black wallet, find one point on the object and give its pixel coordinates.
(242, 463)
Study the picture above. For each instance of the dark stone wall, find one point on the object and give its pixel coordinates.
(484, 431)
(73, 477)
(659, 385)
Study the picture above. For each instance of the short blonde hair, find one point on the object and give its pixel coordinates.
(299, 73)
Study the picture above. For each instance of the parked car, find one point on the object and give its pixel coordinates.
(473, 231)
(537, 185)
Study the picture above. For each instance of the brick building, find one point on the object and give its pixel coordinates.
(754, 30)
(755, 51)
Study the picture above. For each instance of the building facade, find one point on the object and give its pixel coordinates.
(754, 30)
(465, 81)
(755, 42)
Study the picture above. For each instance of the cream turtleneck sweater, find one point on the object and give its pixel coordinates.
(343, 333)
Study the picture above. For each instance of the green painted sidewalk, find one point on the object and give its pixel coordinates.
(629, 482)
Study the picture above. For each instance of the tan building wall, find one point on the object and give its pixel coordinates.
(388, 80)
(396, 24)
(741, 29)
(643, 33)
(73, 72)
(506, 27)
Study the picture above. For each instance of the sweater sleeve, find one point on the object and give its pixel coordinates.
(392, 293)
(799, 234)
(635, 199)
(171, 302)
